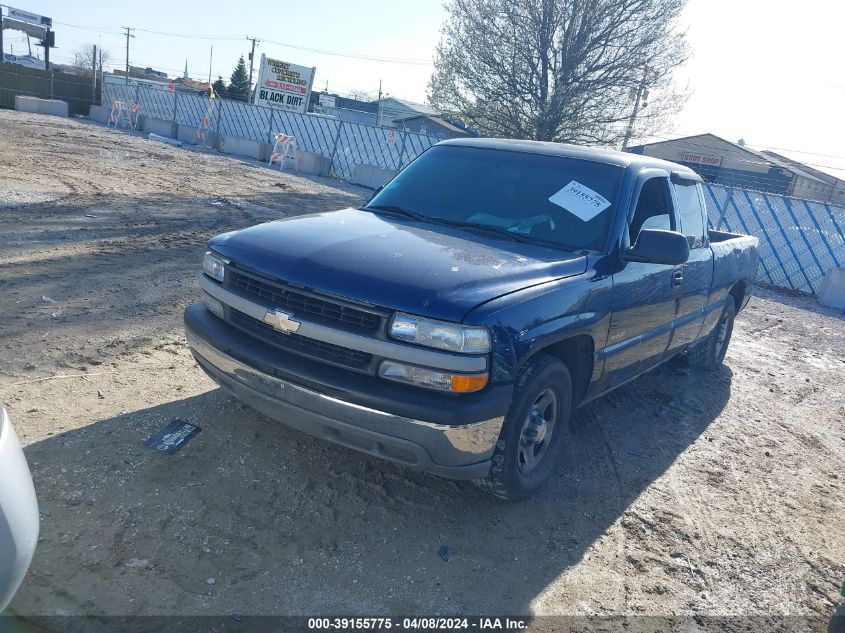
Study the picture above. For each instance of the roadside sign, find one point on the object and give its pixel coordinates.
(24, 60)
(31, 18)
(283, 85)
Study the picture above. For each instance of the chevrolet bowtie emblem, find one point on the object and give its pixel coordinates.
(281, 322)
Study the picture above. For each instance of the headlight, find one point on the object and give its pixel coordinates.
(214, 266)
(440, 334)
(432, 378)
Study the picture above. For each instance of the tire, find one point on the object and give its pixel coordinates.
(710, 352)
(529, 446)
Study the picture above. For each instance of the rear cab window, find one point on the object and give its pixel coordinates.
(691, 212)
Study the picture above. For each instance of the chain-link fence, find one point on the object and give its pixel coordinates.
(800, 240)
(345, 144)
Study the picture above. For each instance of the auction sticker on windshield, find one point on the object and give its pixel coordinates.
(580, 201)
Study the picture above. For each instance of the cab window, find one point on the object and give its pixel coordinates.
(691, 213)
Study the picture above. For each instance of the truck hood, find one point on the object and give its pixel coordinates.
(425, 269)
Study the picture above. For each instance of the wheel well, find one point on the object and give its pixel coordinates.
(577, 354)
(738, 293)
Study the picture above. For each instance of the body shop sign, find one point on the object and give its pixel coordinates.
(283, 85)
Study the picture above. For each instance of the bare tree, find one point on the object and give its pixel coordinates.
(559, 70)
(85, 57)
(360, 95)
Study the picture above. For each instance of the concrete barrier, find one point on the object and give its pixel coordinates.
(158, 126)
(245, 147)
(53, 107)
(187, 134)
(832, 289)
(370, 176)
(99, 113)
(312, 163)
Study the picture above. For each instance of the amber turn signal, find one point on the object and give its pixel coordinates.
(464, 384)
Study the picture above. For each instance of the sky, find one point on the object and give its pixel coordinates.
(769, 72)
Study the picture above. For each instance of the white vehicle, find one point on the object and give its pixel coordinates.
(18, 513)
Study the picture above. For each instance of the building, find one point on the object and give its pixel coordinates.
(734, 164)
(343, 108)
(834, 191)
(430, 125)
(141, 73)
(393, 108)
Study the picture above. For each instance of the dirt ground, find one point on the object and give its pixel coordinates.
(683, 493)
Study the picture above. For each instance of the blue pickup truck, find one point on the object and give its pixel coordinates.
(454, 322)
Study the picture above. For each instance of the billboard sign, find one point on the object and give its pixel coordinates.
(31, 18)
(283, 85)
(24, 60)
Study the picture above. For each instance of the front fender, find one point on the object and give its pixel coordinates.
(526, 322)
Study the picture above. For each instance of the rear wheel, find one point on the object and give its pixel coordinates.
(710, 352)
(533, 432)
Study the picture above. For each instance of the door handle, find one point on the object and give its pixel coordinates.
(677, 278)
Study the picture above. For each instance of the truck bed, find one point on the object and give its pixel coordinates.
(735, 257)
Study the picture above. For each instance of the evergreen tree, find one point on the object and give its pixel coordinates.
(239, 87)
(219, 87)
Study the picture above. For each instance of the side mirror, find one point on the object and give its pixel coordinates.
(374, 193)
(656, 246)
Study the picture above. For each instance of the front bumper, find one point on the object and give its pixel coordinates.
(454, 451)
(18, 513)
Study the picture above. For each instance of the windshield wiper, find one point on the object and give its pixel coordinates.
(390, 208)
(470, 226)
(487, 228)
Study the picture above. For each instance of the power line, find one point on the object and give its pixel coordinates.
(377, 58)
(391, 60)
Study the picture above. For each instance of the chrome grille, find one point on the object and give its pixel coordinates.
(318, 350)
(299, 303)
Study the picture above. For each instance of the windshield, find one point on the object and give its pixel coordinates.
(558, 201)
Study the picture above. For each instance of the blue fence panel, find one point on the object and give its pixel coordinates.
(800, 240)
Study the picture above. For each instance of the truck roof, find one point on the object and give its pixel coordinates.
(595, 154)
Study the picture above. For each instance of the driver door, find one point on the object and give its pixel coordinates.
(644, 295)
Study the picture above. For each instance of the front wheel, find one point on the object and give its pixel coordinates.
(710, 352)
(533, 432)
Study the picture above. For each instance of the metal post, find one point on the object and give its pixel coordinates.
(270, 129)
(334, 149)
(175, 96)
(217, 129)
(402, 151)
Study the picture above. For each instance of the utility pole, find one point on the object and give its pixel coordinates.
(101, 75)
(210, 57)
(641, 97)
(380, 114)
(128, 35)
(251, 57)
(94, 76)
